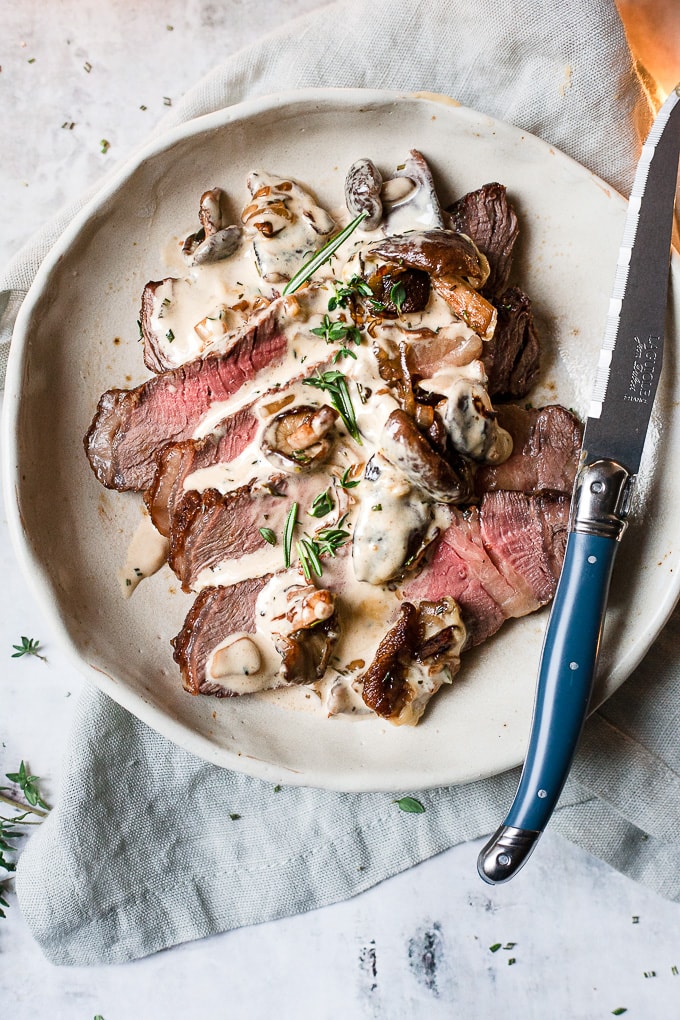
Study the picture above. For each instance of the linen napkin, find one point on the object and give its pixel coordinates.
(142, 850)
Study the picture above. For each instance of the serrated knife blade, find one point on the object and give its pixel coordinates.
(625, 384)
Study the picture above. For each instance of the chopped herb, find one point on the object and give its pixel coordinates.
(321, 504)
(104, 146)
(31, 60)
(509, 945)
(336, 331)
(170, 336)
(234, 817)
(410, 805)
(87, 66)
(167, 101)
(619, 1011)
(345, 291)
(329, 540)
(344, 352)
(347, 482)
(28, 646)
(288, 528)
(335, 384)
(309, 558)
(398, 296)
(28, 786)
(322, 255)
(277, 788)
(495, 947)
(511, 960)
(377, 506)
(268, 535)
(143, 107)
(128, 582)
(139, 327)
(650, 973)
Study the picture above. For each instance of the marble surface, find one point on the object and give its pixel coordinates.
(577, 939)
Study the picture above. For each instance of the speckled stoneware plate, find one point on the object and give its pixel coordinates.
(77, 336)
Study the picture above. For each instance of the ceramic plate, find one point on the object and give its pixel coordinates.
(77, 336)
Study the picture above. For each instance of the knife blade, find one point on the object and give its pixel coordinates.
(624, 388)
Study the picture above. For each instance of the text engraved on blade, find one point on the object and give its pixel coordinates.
(641, 386)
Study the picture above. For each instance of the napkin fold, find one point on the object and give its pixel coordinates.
(149, 846)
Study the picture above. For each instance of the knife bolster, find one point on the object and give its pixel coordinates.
(602, 495)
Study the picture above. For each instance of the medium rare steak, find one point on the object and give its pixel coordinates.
(216, 613)
(131, 426)
(545, 452)
(499, 561)
(490, 220)
(176, 461)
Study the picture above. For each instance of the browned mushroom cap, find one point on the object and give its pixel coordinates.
(385, 689)
(300, 436)
(362, 192)
(406, 447)
(399, 290)
(305, 652)
(437, 252)
(468, 304)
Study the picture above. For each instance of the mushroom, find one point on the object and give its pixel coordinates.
(471, 422)
(410, 198)
(392, 524)
(300, 436)
(399, 290)
(216, 239)
(362, 192)
(404, 445)
(437, 252)
(306, 650)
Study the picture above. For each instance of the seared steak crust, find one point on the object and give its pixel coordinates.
(512, 357)
(489, 219)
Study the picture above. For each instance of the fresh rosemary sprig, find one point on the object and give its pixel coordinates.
(322, 255)
(335, 384)
(326, 542)
(28, 646)
(288, 529)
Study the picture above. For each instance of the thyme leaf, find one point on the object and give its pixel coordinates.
(28, 785)
(410, 805)
(322, 504)
(28, 646)
(268, 535)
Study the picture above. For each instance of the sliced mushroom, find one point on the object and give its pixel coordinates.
(306, 650)
(468, 304)
(437, 252)
(404, 445)
(419, 653)
(410, 198)
(300, 437)
(362, 192)
(399, 290)
(216, 239)
(471, 422)
(392, 524)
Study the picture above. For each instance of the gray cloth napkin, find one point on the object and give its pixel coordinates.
(141, 850)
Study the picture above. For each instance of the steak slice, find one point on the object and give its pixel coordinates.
(176, 461)
(545, 452)
(216, 613)
(130, 426)
(489, 219)
(209, 528)
(499, 561)
(512, 356)
(153, 354)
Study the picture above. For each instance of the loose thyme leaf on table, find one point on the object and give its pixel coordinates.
(410, 805)
(28, 646)
(28, 786)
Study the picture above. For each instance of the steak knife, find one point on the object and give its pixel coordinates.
(624, 387)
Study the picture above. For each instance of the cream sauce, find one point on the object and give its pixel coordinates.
(146, 554)
(388, 518)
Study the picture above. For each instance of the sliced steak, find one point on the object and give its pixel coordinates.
(154, 358)
(216, 613)
(176, 461)
(131, 426)
(490, 220)
(512, 357)
(209, 529)
(498, 561)
(545, 452)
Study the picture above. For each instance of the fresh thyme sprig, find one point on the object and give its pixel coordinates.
(322, 255)
(28, 646)
(28, 785)
(11, 828)
(356, 287)
(321, 504)
(346, 481)
(335, 384)
(326, 542)
(335, 331)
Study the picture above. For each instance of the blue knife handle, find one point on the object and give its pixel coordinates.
(565, 681)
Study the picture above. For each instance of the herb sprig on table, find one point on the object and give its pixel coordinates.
(11, 829)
